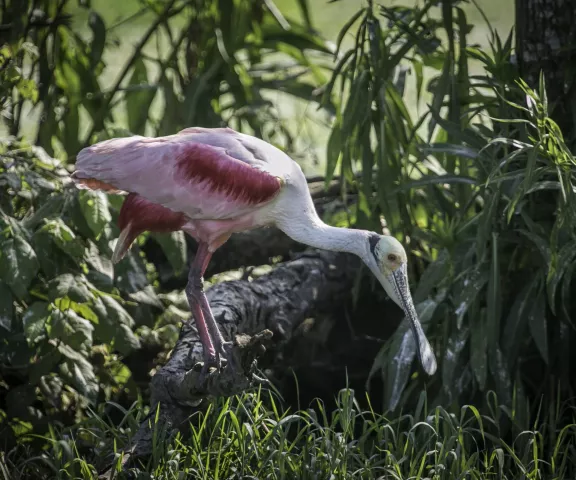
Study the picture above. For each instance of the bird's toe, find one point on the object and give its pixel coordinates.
(207, 369)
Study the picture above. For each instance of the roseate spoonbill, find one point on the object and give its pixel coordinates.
(212, 182)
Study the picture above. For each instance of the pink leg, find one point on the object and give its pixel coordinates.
(210, 335)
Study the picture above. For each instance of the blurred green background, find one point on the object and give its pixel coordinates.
(127, 20)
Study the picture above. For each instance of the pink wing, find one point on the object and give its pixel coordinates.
(203, 173)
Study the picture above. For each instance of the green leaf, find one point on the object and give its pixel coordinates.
(537, 322)
(494, 301)
(514, 330)
(18, 265)
(564, 260)
(174, 247)
(451, 149)
(452, 363)
(541, 244)
(303, 4)
(478, 346)
(115, 325)
(99, 262)
(67, 285)
(34, 320)
(44, 363)
(50, 207)
(131, 273)
(344, 30)
(70, 328)
(98, 42)
(139, 98)
(28, 89)
(78, 370)
(297, 36)
(500, 374)
(6, 307)
(466, 135)
(94, 206)
(333, 152)
(472, 285)
(432, 277)
(116, 312)
(64, 238)
(427, 180)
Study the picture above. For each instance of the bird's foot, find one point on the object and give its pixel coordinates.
(207, 368)
(215, 363)
(212, 365)
(224, 353)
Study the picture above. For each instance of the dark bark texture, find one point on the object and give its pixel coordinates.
(546, 41)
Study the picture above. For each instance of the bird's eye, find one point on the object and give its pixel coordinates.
(392, 257)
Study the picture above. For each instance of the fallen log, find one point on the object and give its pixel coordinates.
(262, 313)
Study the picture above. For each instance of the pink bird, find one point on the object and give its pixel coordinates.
(213, 182)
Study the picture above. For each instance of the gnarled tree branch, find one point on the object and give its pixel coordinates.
(267, 310)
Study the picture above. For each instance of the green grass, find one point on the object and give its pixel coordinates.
(251, 437)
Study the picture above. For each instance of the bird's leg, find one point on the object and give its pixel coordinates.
(193, 289)
(222, 347)
(204, 256)
(212, 340)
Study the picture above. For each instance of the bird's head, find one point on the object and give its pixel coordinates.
(386, 258)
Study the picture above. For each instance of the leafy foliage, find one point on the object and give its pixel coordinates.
(480, 186)
(253, 437)
(206, 63)
(66, 319)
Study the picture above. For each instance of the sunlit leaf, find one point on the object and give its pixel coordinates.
(64, 238)
(94, 206)
(70, 328)
(34, 320)
(77, 369)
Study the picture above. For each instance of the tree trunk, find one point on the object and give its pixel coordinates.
(546, 41)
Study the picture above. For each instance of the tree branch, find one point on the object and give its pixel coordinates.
(266, 311)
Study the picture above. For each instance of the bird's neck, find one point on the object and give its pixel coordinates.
(311, 230)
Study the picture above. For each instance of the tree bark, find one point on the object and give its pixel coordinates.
(546, 41)
(266, 311)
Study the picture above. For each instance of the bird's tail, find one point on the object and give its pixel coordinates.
(123, 244)
(125, 241)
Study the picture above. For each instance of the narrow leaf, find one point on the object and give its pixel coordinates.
(94, 206)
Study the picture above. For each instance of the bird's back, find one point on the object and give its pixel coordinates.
(203, 173)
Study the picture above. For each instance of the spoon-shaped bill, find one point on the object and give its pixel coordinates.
(400, 281)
